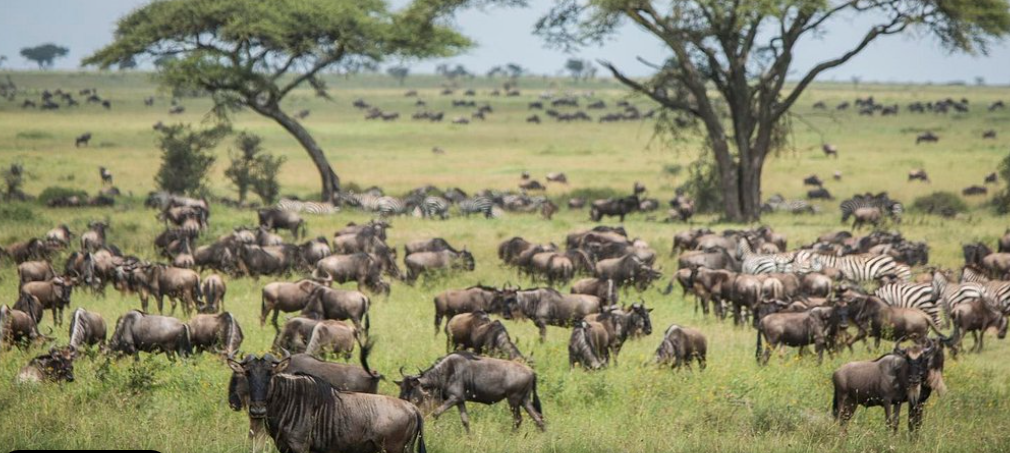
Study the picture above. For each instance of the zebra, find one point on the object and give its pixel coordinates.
(919, 296)
(865, 267)
(753, 263)
(995, 292)
(973, 274)
(477, 205)
(890, 207)
(777, 203)
(387, 206)
(308, 207)
(434, 207)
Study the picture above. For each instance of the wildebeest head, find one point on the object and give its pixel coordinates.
(641, 322)
(504, 301)
(414, 389)
(918, 357)
(57, 365)
(467, 257)
(257, 373)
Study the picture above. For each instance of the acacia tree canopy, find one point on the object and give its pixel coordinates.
(745, 50)
(252, 53)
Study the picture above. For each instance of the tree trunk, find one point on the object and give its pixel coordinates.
(728, 180)
(330, 180)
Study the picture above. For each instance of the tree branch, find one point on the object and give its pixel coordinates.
(663, 100)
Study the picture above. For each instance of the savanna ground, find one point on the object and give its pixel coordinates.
(734, 405)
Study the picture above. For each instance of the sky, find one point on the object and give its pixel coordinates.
(506, 35)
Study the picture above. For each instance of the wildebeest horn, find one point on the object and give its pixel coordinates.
(401, 372)
(285, 352)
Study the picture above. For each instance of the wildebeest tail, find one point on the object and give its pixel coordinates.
(668, 290)
(211, 297)
(198, 293)
(365, 349)
(368, 323)
(536, 398)
(834, 405)
(185, 344)
(420, 432)
(302, 228)
(757, 352)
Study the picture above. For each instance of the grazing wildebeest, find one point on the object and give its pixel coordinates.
(605, 289)
(279, 219)
(86, 329)
(460, 377)
(315, 250)
(991, 178)
(905, 375)
(975, 316)
(304, 413)
(680, 345)
(974, 190)
(425, 262)
(56, 366)
(53, 294)
(137, 332)
(82, 139)
(256, 260)
(338, 304)
(294, 337)
(510, 250)
(219, 333)
(546, 306)
(863, 216)
(627, 270)
(588, 346)
(819, 194)
(613, 207)
(213, 291)
(484, 336)
(30, 250)
(332, 336)
(813, 180)
(829, 150)
(488, 299)
(875, 318)
(927, 137)
(622, 324)
(285, 297)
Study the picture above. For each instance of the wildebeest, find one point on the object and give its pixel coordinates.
(219, 333)
(18, 327)
(488, 299)
(623, 323)
(905, 375)
(819, 194)
(315, 250)
(428, 245)
(362, 268)
(56, 366)
(338, 304)
(613, 207)
(136, 332)
(974, 190)
(546, 306)
(813, 180)
(32, 249)
(425, 262)
(304, 413)
(588, 346)
(59, 236)
(332, 336)
(162, 281)
(35, 271)
(86, 329)
(256, 260)
(460, 377)
(927, 137)
(82, 139)
(213, 290)
(918, 174)
(977, 317)
(477, 332)
(604, 289)
(875, 318)
(285, 297)
(627, 270)
(53, 294)
(279, 219)
(680, 345)
(94, 238)
(863, 216)
(294, 337)
(815, 326)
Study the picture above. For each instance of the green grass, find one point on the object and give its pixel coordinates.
(733, 406)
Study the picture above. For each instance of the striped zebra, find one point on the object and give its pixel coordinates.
(477, 205)
(754, 263)
(887, 206)
(865, 267)
(779, 204)
(433, 207)
(996, 291)
(308, 207)
(918, 296)
(387, 206)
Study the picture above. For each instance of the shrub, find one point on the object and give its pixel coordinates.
(253, 169)
(593, 193)
(16, 213)
(1001, 202)
(942, 203)
(57, 192)
(702, 184)
(185, 158)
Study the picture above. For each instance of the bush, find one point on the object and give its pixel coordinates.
(253, 169)
(16, 213)
(1001, 202)
(703, 185)
(593, 193)
(57, 192)
(185, 158)
(946, 204)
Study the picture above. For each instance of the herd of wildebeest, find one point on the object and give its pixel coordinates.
(827, 295)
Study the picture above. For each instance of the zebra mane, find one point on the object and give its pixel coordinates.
(77, 329)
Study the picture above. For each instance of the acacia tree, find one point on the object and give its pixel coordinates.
(44, 54)
(252, 54)
(745, 50)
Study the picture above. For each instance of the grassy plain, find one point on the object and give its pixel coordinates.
(732, 406)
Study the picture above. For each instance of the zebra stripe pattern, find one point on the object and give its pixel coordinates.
(308, 207)
(753, 263)
(865, 267)
(889, 207)
(918, 296)
(478, 205)
(950, 295)
(435, 207)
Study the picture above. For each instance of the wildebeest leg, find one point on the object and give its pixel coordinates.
(981, 341)
(277, 313)
(543, 329)
(161, 304)
(767, 353)
(517, 418)
(701, 361)
(888, 411)
(537, 417)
